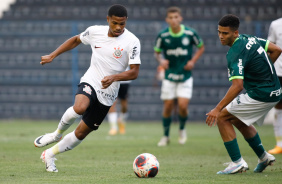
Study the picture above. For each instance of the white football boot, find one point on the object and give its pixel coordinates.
(49, 162)
(234, 168)
(182, 137)
(46, 139)
(267, 160)
(164, 141)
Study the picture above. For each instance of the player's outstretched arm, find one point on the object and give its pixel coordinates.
(124, 76)
(273, 51)
(67, 45)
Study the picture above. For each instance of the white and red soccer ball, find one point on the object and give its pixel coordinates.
(146, 165)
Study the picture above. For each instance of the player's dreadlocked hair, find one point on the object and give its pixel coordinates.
(231, 21)
(117, 10)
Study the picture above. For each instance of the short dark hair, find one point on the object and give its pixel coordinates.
(117, 10)
(231, 21)
(173, 9)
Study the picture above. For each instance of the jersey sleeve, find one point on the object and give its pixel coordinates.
(271, 34)
(158, 44)
(197, 40)
(134, 53)
(264, 43)
(85, 36)
(236, 63)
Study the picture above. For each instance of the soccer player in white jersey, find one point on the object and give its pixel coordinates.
(275, 36)
(113, 49)
(117, 120)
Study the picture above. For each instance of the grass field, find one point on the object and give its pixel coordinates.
(105, 159)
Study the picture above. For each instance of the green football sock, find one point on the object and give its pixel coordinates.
(166, 125)
(233, 150)
(256, 145)
(182, 122)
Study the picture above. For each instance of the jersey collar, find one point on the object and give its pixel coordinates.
(180, 33)
(235, 40)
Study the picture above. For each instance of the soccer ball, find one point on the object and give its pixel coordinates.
(146, 165)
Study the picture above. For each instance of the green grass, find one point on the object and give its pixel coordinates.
(105, 159)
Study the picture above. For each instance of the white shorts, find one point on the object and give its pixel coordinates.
(248, 110)
(171, 90)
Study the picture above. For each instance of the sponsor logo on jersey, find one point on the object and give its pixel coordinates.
(133, 53)
(276, 92)
(177, 52)
(175, 76)
(250, 43)
(240, 66)
(106, 95)
(87, 89)
(185, 41)
(117, 53)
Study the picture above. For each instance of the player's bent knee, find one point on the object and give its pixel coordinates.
(80, 109)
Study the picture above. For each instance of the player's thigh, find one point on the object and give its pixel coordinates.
(168, 90)
(83, 97)
(225, 116)
(185, 89)
(95, 114)
(183, 103)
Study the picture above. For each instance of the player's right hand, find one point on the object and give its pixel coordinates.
(46, 59)
(164, 63)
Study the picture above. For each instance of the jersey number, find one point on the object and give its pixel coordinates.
(261, 50)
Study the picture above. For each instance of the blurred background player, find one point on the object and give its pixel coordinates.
(176, 43)
(275, 36)
(117, 121)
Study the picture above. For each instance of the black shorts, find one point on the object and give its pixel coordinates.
(123, 91)
(96, 112)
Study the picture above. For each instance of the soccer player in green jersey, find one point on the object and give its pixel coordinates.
(250, 66)
(176, 43)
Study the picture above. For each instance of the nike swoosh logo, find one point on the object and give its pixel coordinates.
(97, 47)
(38, 140)
(96, 124)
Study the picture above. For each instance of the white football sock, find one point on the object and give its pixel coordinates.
(123, 117)
(69, 142)
(112, 117)
(278, 126)
(66, 121)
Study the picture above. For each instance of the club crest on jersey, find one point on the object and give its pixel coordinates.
(117, 53)
(87, 89)
(185, 41)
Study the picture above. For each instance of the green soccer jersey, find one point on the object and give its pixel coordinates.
(178, 49)
(247, 59)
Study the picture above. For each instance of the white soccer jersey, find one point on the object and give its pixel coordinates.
(275, 36)
(110, 55)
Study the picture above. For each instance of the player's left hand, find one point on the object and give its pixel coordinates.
(212, 117)
(107, 81)
(189, 66)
